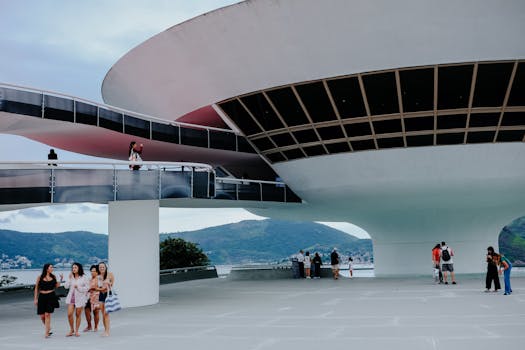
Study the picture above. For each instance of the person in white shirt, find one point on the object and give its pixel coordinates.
(300, 260)
(447, 264)
(307, 264)
(77, 297)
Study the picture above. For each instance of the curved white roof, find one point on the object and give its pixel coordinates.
(264, 43)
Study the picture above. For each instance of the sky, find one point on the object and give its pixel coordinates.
(67, 47)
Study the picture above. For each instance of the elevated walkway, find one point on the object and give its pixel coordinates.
(39, 183)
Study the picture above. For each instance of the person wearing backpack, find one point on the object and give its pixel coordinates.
(506, 266)
(447, 265)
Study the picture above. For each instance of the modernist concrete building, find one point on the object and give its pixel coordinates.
(406, 118)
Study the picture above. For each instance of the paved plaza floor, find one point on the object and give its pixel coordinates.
(359, 313)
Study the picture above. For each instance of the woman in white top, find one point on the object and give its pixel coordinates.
(77, 297)
(307, 264)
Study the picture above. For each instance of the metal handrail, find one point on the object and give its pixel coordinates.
(116, 109)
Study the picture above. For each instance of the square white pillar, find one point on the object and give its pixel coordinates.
(133, 251)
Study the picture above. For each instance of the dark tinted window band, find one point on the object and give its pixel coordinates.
(136, 126)
(109, 120)
(164, 132)
(86, 113)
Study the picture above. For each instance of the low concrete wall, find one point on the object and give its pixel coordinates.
(269, 273)
(187, 274)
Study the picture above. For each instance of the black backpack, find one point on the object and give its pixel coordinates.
(445, 255)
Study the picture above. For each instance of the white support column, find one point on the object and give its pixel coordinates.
(134, 251)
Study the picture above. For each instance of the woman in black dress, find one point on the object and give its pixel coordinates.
(45, 298)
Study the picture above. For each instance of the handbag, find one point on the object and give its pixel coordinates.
(112, 303)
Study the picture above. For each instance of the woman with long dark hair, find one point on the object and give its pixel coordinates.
(77, 297)
(492, 270)
(106, 281)
(45, 297)
(134, 153)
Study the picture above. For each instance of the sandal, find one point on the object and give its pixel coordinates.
(70, 334)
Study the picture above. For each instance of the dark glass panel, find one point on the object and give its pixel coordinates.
(420, 123)
(136, 126)
(358, 129)
(381, 93)
(492, 81)
(283, 140)
(450, 139)
(243, 145)
(193, 137)
(331, 132)
(288, 106)
(455, 121)
(510, 135)
(337, 147)
(263, 144)
(517, 93)
(276, 157)
(347, 97)
(420, 140)
(58, 108)
(249, 192)
(483, 119)
(454, 86)
(513, 118)
(316, 101)
(387, 126)
(393, 142)
(273, 193)
(314, 150)
(363, 145)
(480, 137)
(293, 154)
(109, 120)
(304, 136)
(262, 111)
(86, 113)
(417, 89)
(21, 102)
(164, 132)
(222, 140)
(291, 196)
(240, 117)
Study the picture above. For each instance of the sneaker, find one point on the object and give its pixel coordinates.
(506, 293)
(454, 282)
(487, 290)
(446, 282)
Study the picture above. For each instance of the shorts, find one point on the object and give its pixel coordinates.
(447, 267)
(102, 297)
(88, 304)
(335, 267)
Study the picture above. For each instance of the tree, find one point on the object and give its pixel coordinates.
(176, 252)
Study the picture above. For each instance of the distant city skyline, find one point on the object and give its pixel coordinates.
(47, 45)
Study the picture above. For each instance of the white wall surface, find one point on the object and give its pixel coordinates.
(134, 251)
(265, 43)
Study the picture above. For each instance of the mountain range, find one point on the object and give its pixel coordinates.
(253, 241)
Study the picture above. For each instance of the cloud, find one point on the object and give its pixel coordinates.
(33, 213)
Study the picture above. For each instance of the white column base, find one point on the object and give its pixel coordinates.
(134, 251)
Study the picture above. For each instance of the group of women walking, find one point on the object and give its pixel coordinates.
(86, 293)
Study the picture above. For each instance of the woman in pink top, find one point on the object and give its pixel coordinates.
(93, 305)
(77, 297)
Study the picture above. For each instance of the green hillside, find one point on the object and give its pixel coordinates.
(271, 241)
(512, 241)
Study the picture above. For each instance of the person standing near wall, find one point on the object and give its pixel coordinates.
(52, 156)
(106, 281)
(506, 266)
(447, 264)
(492, 270)
(334, 261)
(307, 264)
(300, 260)
(317, 265)
(135, 152)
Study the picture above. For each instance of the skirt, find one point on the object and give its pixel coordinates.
(47, 303)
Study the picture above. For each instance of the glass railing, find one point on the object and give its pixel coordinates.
(50, 105)
(102, 182)
(253, 190)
